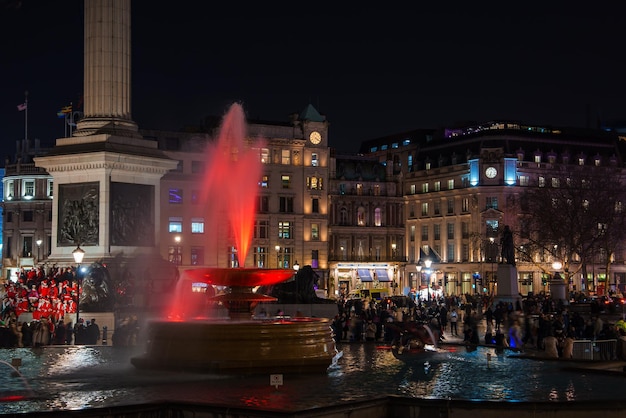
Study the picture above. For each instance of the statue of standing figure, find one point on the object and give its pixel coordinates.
(508, 249)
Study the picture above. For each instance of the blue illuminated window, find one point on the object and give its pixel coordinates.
(176, 196)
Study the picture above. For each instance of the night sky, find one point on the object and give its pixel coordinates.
(372, 70)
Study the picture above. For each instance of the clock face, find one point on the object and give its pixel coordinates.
(491, 172)
(315, 137)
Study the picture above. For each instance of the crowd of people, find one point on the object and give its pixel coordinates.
(536, 322)
(50, 297)
(46, 294)
(43, 332)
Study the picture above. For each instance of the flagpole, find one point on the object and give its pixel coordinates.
(26, 116)
(71, 120)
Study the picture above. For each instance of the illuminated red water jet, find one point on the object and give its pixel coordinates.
(229, 192)
(231, 182)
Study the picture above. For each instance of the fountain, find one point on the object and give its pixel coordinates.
(238, 344)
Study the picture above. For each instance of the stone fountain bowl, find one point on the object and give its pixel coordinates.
(285, 346)
(244, 345)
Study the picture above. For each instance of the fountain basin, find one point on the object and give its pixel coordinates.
(286, 346)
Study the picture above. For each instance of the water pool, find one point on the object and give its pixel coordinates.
(75, 377)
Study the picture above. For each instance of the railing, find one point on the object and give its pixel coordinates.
(595, 350)
(398, 259)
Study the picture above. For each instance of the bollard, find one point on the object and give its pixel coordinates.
(104, 335)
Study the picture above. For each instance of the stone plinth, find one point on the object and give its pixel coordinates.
(507, 290)
(557, 289)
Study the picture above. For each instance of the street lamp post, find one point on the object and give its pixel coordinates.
(427, 263)
(393, 251)
(418, 268)
(39, 241)
(78, 255)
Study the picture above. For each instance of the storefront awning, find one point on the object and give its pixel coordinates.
(382, 276)
(364, 275)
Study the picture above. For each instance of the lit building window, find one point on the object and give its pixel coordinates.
(265, 182)
(284, 230)
(265, 156)
(315, 262)
(360, 216)
(437, 186)
(28, 189)
(359, 189)
(425, 188)
(437, 232)
(50, 188)
(197, 225)
(233, 258)
(424, 232)
(197, 256)
(424, 209)
(314, 183)
(451, 184)
(175, 224)
(175, 254)
(523, 180)
(314, 160)
(286, 181)
(315, 232)
(412, 189)
(377, 190)
(378, 217)
(542, 181)
(492, 227)
(9, 190)
(286, 157)
(260, 257)
(176, 196)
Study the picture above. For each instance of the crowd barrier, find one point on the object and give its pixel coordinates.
(595, 350)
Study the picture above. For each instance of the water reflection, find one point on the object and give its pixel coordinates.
(88, 377)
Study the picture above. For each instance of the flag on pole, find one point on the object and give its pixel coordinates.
(21, 107)
(67, 109)
(60, 114)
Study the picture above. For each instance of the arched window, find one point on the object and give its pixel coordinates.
(343, 216)
(360, 216)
